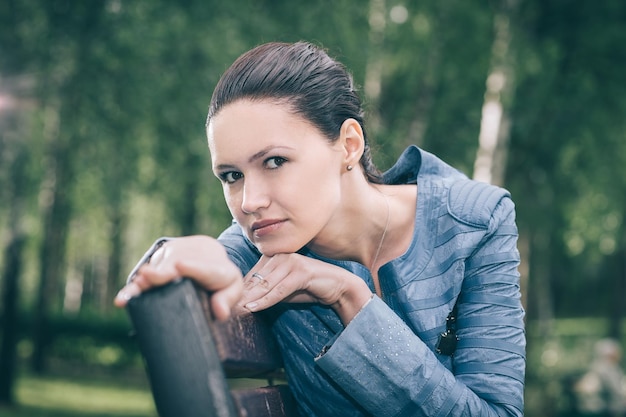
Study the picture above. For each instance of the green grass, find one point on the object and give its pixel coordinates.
(80, 396)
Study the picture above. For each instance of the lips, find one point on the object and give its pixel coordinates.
(264, 227)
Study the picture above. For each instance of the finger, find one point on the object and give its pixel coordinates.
(256, 279)
(159, 255)
(259, 280)
(143, 281)
(163, 267)
(223, 301)
(125, 294)
(257, 273)
(212, 277)
(283, 291)
(279, 284)
(150, 275)
(224, 280)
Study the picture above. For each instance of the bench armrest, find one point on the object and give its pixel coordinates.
(183, 366)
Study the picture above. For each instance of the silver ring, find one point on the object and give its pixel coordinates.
(259, 276)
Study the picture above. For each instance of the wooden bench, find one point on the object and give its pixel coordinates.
(193, 362)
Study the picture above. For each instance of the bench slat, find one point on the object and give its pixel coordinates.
(274, 401)
(246, 346)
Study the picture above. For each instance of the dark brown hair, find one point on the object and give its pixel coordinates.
(302, 75)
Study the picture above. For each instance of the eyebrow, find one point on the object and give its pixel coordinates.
(260, 154)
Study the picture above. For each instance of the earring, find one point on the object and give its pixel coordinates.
(349, 167)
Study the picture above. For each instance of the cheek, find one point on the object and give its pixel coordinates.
(233, 201)
(314, 193)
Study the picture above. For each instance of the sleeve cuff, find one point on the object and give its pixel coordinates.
(328, 345)
(377, 356)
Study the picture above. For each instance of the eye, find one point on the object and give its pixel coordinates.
(274, 162)
(230, 177)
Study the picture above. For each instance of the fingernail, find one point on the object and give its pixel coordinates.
(252, 306)
(123, 295)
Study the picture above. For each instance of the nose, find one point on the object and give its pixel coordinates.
(255, 196)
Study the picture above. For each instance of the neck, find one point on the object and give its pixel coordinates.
(373, 266)
(359, 230)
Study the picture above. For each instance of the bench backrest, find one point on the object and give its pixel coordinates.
(190, 358)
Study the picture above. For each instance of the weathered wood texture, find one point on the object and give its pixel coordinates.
(189, 356)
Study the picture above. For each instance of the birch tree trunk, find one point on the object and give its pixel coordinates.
(490, 163)
(493, 139)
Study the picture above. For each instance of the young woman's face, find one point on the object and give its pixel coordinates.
(280, 175)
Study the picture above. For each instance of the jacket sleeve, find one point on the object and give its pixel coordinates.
(239, 249)
(393, 372)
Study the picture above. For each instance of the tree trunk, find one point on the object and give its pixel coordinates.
(540, 303)
(17, 189)
(491, 156)
(114, 270)
(424, 101)
(66, 141)
(57, 216)
(617, 266)
(10, 318)
(429, 83)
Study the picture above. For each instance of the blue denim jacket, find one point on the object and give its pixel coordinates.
(384, 363)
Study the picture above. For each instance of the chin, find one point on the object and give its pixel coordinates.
(269, 249)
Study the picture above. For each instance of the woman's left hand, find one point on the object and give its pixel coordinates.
(299, 279)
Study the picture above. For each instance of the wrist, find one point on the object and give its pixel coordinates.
(351, 301)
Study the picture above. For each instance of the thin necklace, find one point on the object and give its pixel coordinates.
(382, 238)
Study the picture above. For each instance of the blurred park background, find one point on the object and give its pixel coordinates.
(102, 150)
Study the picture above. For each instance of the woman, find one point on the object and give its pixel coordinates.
(393, 294)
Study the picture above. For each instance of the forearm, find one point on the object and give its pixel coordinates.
(387, 369)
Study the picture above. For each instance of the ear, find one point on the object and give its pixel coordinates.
(352, 141)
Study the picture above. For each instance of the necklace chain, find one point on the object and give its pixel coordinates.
(382, 238)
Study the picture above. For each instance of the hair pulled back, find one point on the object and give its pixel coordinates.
(315, 86)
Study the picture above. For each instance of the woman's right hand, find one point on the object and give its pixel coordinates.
(201, 258)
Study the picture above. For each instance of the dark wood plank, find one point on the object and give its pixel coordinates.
(246, 346)
(273, 401)
(188, 356)
(183, 367)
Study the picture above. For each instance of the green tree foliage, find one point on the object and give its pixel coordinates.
(568, 148)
